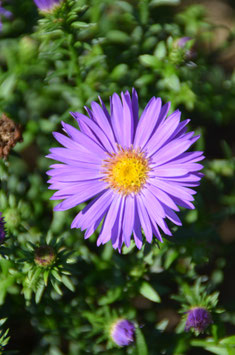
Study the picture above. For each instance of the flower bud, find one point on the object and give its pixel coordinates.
(12, 218)
(46, 5)
(122, 332)
(2, 229)
(182, 43)
(198, 318)
(4, 13)
(44, 256)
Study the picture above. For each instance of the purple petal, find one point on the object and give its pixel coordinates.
(93, 211)
(128, 132)
(128, 219)
(170, 151)
(117, 119)
(169, 171)
(117, 238)
(172, 216)
(147, 122)
(135, 108)
(174, 189)
(85, 141)
(74, 175)
(106, 231)
(137, 233)
(57, 169)
(70, 157)
(88, 190)
(163, 197)
(144, 219)
(100, 118)
(163, 133)
(96, 133)
(105, 109)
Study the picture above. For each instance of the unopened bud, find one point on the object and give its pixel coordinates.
(198, 319)
(44, 256)
(122, 332)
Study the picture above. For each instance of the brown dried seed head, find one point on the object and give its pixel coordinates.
(10, 134)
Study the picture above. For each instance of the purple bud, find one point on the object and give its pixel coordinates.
(46, 5)
(198, 318)
(123, 332)
(44, 256)
(181, 43)
(5, 13)
(2, 229)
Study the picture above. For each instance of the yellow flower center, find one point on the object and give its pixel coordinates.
(126, 171)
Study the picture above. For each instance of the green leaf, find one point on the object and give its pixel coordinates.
(140, 343)
(45, 276)
(117, 36)
(170, 257)
(148, 291)
(56, 275)
(229, 340)
(160, 51)
(164, 2)
(68, 283)
(39, 293)
(149, 60)
(112, 295)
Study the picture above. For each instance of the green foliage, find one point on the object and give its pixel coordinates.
(56, 62)
(4, 338)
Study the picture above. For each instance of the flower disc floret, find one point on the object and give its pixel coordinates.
(135, 172)
(126, 171)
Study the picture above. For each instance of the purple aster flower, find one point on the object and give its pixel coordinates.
(123, 332)
(2, 229)
(198, 318)
(46, 5)
(5, 13)
(136, 172)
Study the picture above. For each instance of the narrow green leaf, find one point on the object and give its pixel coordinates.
(148, 291)
(140, 343)
(68, 283)
(229, 340)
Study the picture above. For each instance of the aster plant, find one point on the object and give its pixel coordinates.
(136, 171)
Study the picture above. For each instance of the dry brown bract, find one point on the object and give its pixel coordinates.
(10, 134)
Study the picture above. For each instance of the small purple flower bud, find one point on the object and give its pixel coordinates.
(181, 43)
(123, 332)
(46, 5)
(2, 229)
(5, 13)
(198, 318)
(44, 256)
